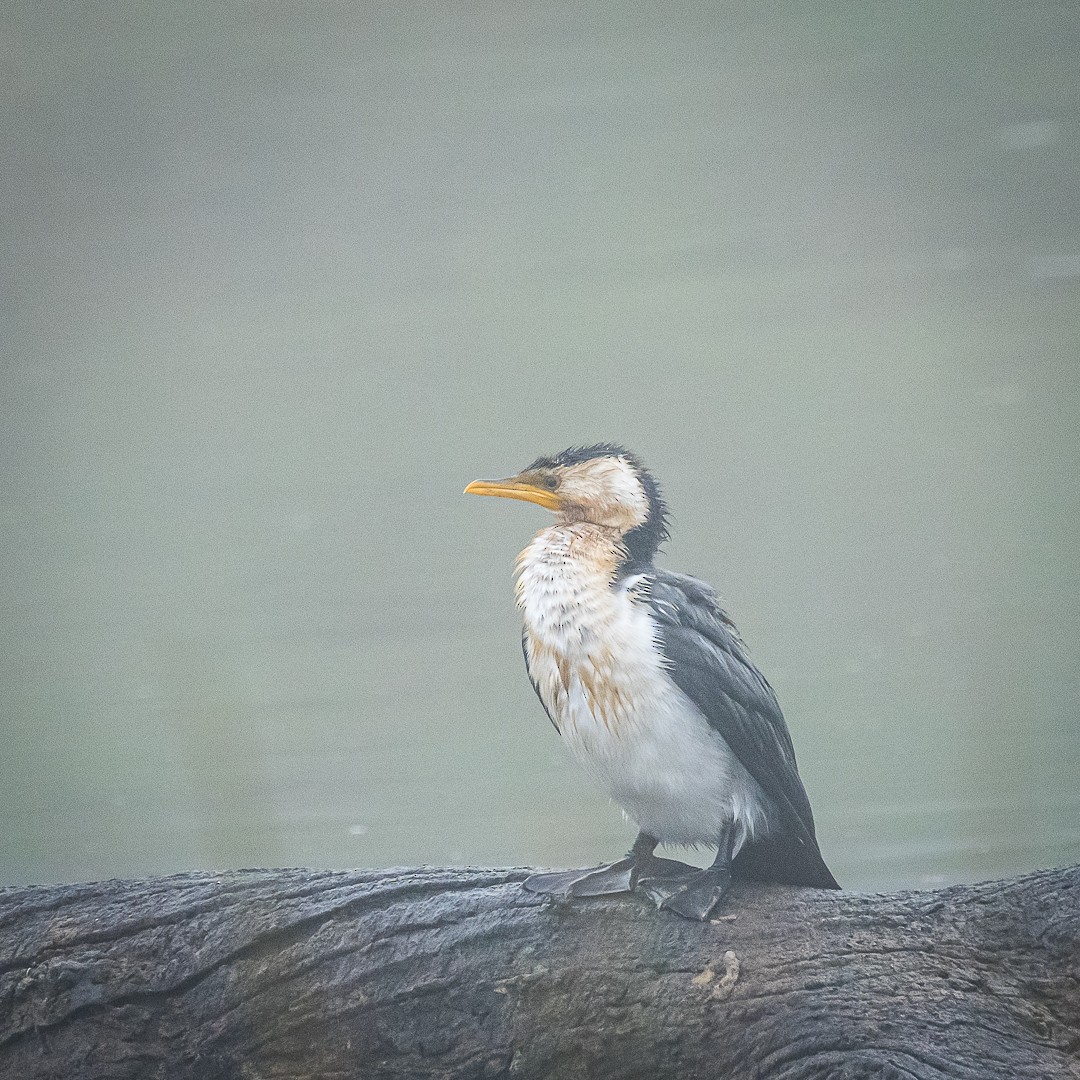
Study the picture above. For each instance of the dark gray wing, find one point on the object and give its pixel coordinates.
(707, 661)
(535, 684)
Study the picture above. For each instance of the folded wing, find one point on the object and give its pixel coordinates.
(707, 661)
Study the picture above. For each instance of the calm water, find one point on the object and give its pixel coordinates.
(284, 278)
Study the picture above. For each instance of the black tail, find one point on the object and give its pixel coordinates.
(784, 860)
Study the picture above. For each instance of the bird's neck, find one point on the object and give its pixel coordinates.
(566, 573)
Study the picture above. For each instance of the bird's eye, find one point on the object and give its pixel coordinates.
(551, 481)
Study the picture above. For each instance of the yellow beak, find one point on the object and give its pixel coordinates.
(514, 487)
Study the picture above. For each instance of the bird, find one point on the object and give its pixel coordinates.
(647, 680)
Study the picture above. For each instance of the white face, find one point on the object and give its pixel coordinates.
(603, 490)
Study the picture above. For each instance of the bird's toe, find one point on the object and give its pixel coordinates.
(694, 903)
(662, 887)
(616, 878)
(555, 884)
(656, 869)
(596, 881)
(694, 897)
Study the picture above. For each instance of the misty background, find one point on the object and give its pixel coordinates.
(280, 279)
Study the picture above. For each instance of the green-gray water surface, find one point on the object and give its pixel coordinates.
(283, 278)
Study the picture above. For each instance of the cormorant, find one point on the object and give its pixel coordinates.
(648, 682)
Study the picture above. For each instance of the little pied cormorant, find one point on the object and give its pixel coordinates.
(647, 680)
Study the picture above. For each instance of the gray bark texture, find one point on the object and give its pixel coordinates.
(459, 973)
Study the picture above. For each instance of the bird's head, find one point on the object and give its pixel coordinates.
(605, 485)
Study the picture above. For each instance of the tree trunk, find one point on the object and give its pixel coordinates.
(459, 973)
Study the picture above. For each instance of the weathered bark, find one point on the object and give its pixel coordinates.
(459, 973)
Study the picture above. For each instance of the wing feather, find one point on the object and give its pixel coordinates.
(707, 660)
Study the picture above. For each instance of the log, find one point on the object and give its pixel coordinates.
(460, 973)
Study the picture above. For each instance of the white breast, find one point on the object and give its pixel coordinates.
(592, 651)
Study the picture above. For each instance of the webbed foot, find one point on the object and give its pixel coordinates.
(659, 879)
(661, 870)
(640, 868)
(598, 881)
(693, 896)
